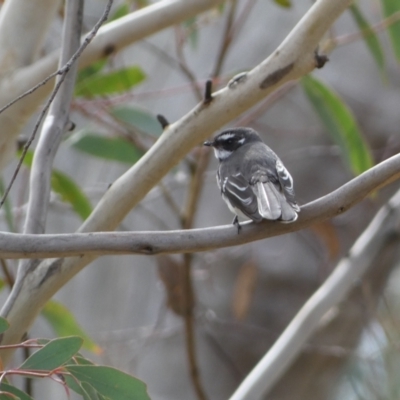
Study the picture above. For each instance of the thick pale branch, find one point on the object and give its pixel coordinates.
(23, 27)
(195, 240)
(54, 125)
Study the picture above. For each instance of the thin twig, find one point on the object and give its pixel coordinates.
(352, 37)
(190, 338)
(184, 67)
(226, 39)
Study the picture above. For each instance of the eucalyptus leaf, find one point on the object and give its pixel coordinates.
(110, 382)
(6, 388)
(284, 3)
(340, 123)
(138, 118)
(71, 193)
(114, 149)
(370, 37)
(106, 84)
(391, 7)
(54, 354)
(64, 323)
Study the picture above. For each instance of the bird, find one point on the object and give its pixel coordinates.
(253, 181)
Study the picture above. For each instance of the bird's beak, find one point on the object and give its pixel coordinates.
(208, 143)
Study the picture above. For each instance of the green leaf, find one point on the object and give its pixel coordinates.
(69, 380)
(110, 382)
(68, 190)
(191, 27)
(110, 83)
(284, 3)
(28, 159)
(4, 325)
(91, 70)
(390, 7)
(71, 193)
(371, 39)
(115, 149)
(7, 208)
(64, 324)
(89, 393)
(340, 123)
(54, 354)
(121, 11)
(138, 118)
(5, 387)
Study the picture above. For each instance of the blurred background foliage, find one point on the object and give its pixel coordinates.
(159, 317)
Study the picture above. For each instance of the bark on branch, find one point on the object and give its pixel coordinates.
(195, 240)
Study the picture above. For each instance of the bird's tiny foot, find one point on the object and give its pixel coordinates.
(236, 223)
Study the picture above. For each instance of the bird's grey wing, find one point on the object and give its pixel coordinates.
(237, 190)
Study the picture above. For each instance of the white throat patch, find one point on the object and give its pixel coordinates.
(222, 154)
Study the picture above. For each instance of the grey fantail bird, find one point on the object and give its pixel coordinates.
(253, 180)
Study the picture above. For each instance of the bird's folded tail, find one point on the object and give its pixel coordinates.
(272, 204)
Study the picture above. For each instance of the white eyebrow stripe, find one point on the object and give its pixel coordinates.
(227, 136)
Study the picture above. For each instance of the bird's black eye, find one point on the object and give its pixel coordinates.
(229, 141)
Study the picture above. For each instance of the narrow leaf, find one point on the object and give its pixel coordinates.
(4, 325)
(110, 83)
(115, 149)
(121, 11)
(19, 394)
(191, 27)
(370, 37)
(68, 190)
(138, 118)
(89, 393)
(244, 289)
(54, 354)
(391, 7)
(91, 70)
(340, 123)
(71, 193)
(7, 208)
(28, 159)
(328, 235)
(64, 324)
(110, 382)
(284, 3)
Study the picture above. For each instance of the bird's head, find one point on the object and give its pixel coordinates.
(228, 141)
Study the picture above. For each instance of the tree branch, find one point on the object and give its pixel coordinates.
(195, 240)
(23, 27)
(54, 124)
